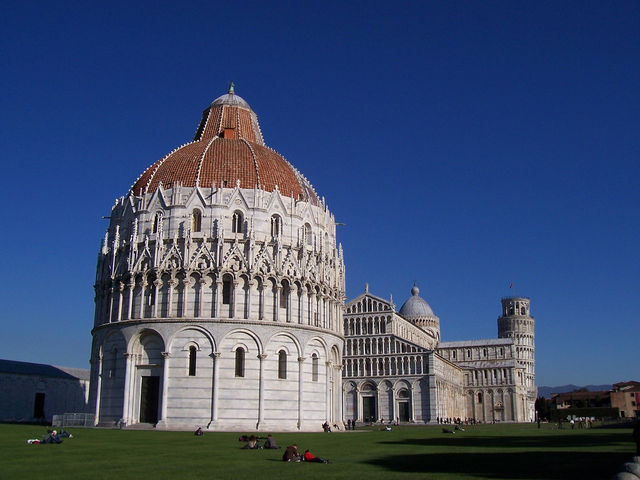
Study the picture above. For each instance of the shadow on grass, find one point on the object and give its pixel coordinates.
(526, 465)
(547, 441)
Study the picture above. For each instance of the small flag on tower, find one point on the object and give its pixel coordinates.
(511, 285)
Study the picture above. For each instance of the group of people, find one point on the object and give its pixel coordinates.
(351, 424)
(252, 443)
(291, 454)
(455, 421)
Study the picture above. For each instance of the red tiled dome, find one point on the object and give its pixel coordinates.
(227, 147)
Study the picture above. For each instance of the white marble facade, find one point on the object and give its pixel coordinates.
(221, 305)
(396, 368)
(220, 290)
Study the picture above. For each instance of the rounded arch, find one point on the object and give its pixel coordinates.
(336, 358)
(229, 337)
(367, 385)
(237, 221)
(191, 328)
(273, 340)
(146, 337)
(196, 220)
(400, 384)
(318, 345)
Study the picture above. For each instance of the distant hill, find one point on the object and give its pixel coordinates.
(547, 391)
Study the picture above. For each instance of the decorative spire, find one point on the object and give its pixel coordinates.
(231, 88)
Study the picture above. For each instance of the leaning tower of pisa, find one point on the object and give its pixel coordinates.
(517, 323)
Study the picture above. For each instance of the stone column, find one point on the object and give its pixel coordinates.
(215, 356)
(98, 388)
(173, 283)
(132, 286)
(234, 298)
(120, 290)
(143, 290)
(165, 390)
(250, 293)
(185, 296)
(260, 291)
(302, 293)
(202, 283)
(377, 402)
(128, 374)
(217, 301)
(111, 290)
(413, 403)
(300, 390)
(156, 287)
(261, 357)
(312, 304)
(328, 390)
(338, 394)
(276, 303)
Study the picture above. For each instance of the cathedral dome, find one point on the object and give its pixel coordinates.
(416, 306)
(227, 150)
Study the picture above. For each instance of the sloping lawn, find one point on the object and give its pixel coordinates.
(487, 451)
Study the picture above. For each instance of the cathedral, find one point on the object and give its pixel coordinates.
(220, 290)
(397, 369)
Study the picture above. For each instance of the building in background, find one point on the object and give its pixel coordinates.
(397, 369)
(34, 392)
(626, 398)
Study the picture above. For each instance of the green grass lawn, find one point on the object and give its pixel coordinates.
(486, 451)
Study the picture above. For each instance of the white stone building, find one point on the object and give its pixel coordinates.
(35, 392)
(219, 290)
(396, 367)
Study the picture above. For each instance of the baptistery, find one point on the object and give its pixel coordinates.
(219, 290)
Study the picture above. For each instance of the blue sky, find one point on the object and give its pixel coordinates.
(466, 145)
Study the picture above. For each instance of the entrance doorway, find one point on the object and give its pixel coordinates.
(369, 409)
(149, 396)
(38, 406)
(403, 411)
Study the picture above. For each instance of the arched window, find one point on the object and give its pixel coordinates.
(282, 364)
(192, 361)
(480, 397)
(156, 222)
(522, 311)
(453, 354)
(314, 367)
(240, 362)
(196, 220)
(308, 239)
(226, 291)
(284, 294)
(276, 225)
(237, 222)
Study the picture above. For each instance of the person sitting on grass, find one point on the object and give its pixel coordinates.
(270, 443)
(51, 437)
(309, 457)
(291, 454)
(198, 432)
(252, 443)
